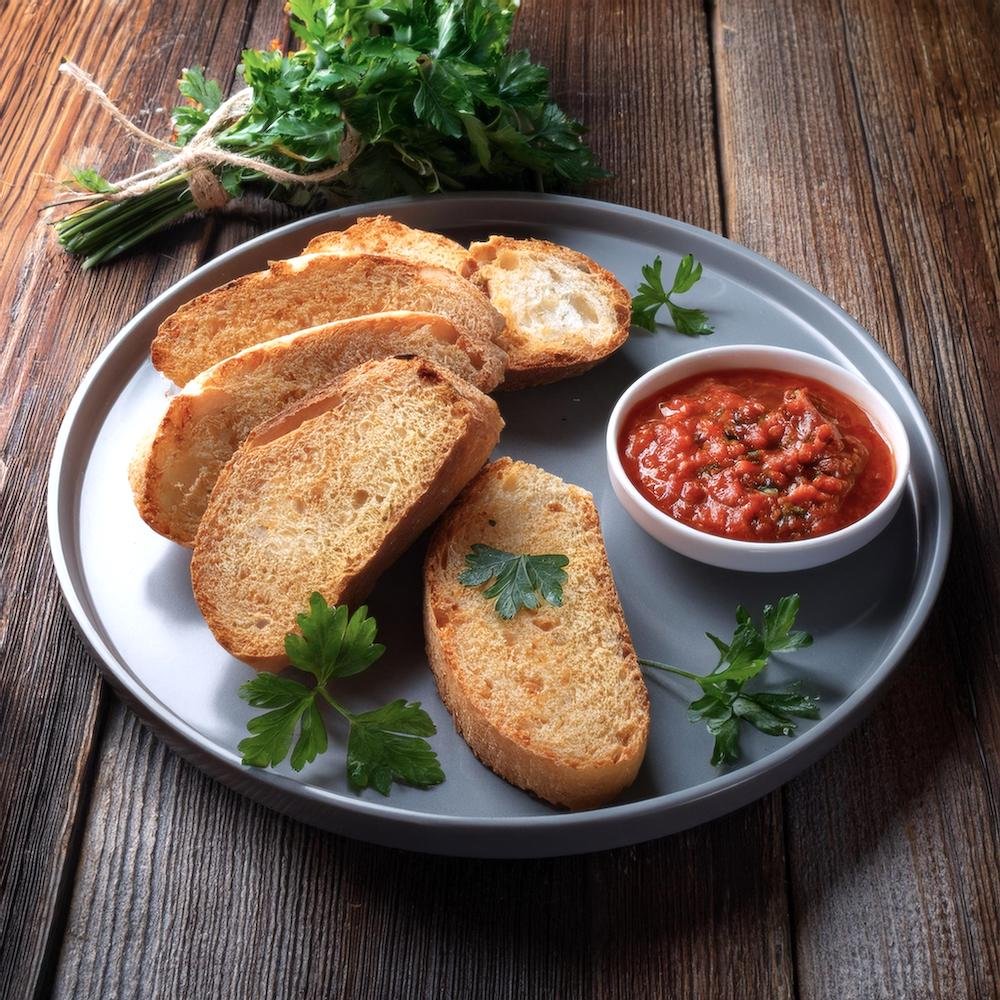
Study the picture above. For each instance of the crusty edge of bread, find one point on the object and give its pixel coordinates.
(170, 330)
(358, 231)
(557, 781)
(466, 457)
(145, 473)
(553, 363)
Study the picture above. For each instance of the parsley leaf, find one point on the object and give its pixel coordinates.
(522, 581)
(651, 295)
(383, 745)
(90, 180)
(333, 643)
(724, 703)
(271, 736)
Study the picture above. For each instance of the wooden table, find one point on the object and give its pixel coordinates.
(853, 142)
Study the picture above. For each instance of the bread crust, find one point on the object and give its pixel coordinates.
(171, 486)
(476, 428)
(384, 235)
(531, 364)
(309, 291)
(548, 771)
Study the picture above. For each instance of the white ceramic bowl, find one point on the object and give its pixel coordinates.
(759, 557)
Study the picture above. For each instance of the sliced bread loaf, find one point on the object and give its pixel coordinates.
(552, 700)
(309, 291)
(174, 472)
(564, 312)
(384, 235)
(329, 493)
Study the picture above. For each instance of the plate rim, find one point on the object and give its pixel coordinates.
(766, 774)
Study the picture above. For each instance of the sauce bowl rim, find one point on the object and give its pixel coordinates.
(887, 423)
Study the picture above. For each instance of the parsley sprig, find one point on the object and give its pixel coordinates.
(521, 581)
(429, 87)
(651, 295)
(724, 702)
(383, 745)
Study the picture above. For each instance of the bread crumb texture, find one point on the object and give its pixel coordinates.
(206, 422)
(564, 312)
(383, 235)
(309, 291)
(553, 700)
(326, 495)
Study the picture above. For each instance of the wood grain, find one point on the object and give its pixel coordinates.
(858, 147)
(58, 319)
(883, 193)
(184, 888)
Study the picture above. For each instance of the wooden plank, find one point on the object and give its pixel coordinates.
(185, 889)
(58, 318)
(857, 146)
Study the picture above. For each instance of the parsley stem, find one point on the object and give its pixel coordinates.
(334, 703)
(669, 669)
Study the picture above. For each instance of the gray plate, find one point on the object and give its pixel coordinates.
(130, 593)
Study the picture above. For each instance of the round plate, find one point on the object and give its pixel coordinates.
(130, 592)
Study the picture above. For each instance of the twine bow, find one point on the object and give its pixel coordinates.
(198, 157)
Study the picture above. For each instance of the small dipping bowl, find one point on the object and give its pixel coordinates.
(747, 556)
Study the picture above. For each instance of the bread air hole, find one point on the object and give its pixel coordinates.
(359, 498)
(584, 308)
(445, 333)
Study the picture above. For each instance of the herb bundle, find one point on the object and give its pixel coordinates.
(384, 97)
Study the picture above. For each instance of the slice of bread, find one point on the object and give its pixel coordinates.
(551, 700)
(309, 291)
(329, 493)
(564, 313)
(384, 235)
(173, 473)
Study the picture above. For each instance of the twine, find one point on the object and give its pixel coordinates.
(201, 154)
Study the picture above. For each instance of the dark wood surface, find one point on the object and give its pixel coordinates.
(856, 144)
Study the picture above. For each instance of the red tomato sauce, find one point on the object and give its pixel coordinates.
(756, 455)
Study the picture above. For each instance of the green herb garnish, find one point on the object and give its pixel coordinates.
(411, 96)
(651, 295)
(383, 745)
(522, 581)
(724, 703)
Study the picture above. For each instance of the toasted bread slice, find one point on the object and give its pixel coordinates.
(173, 474)
(384, 235)
(329, 493)
(551, 700)
(564, 313)
(309, 291)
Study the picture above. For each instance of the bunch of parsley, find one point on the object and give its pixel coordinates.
(437, 102)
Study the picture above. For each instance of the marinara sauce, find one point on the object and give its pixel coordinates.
(756, 455)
